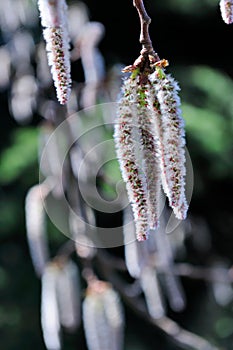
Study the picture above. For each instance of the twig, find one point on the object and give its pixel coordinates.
(147, 56)
(208, 274)
(145, 21)
(182, 337)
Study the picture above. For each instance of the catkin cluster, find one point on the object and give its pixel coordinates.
(150, 139)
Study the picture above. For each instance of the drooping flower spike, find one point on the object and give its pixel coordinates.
(150, 133)
(171, 136)
(126, 136)
(53, 15)
(226, 9)
(149, 153)
(103, 317)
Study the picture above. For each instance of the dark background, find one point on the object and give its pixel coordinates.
(192, 36)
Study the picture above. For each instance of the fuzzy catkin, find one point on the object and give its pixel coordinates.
(58, 53)
(53, 15)
(226, 10)
(103, 317)
(171, 139)
(150, 156)
(149, 135)
(126, 143)
(52, 12)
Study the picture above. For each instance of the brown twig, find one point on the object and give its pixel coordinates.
(145, 21)
(147, 56)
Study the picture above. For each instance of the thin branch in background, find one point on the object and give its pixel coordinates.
(187, 340)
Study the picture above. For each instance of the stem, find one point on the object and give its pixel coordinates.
(207, 274)
(147, 56)
(145, 22)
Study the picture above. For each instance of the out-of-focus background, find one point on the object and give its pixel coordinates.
(192, 36)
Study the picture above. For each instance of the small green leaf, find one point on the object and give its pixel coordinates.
(160, 73)
(135, 73)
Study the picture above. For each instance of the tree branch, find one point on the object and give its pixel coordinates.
(145, 21)
(148, 55)
(207, 274)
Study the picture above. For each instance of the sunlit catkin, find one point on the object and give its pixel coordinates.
(226, 10)
(53, 15)
(170, 126)
(150, 155)
(103, 317)
(126, 139)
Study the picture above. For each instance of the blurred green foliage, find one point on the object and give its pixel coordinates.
(208, 112)
(191, 7)
(19, 155)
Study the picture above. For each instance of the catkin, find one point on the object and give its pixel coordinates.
(50, 320)
(68, 295)
(171, 139)
(226, 10)
(150, 140)
(103, 317)
(53, 15)
(126, 139)
(35, 221)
